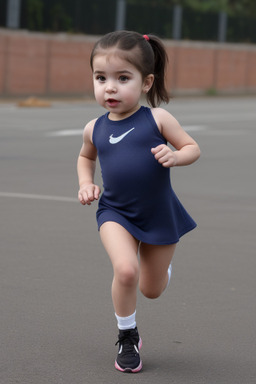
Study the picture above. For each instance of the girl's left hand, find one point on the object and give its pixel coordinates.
(164, 155)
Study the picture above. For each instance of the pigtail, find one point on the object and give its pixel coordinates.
(158, 92)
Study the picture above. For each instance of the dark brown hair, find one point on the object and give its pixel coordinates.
(148, 55)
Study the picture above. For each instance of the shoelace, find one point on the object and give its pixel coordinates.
(128, 341)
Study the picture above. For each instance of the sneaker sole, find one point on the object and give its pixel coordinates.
(130, 370)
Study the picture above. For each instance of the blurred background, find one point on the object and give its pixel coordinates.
(204, 20)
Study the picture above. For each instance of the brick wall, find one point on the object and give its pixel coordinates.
(48, 64)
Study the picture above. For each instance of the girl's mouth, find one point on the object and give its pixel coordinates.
(112, 102)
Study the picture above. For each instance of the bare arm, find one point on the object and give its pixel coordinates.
(86, 164)
(187, 150)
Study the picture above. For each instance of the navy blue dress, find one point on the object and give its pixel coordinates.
(137, 189)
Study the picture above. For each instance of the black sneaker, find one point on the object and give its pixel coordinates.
(128, 358)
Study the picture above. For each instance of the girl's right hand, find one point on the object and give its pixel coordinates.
(88, 193)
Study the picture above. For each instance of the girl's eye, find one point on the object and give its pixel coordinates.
(101, 78)
(123, 79)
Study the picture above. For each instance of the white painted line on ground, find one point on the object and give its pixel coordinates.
(79, 132)
(38, 197)
(67, 132)
(194, 128)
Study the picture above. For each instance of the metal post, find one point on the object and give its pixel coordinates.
(177, 22)
(13, 14)
(78, 15)
(222, 31)
(120, 14)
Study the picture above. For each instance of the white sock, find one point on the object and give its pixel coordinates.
(128, 322)
(169, 275)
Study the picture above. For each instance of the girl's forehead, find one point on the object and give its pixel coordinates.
(110, 55)
(112, 63)
(114, 56)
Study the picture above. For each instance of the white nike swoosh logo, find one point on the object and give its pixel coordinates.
(115, 140)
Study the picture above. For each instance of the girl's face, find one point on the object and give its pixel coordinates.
(118, 85)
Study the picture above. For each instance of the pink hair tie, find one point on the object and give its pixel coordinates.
(146, 37)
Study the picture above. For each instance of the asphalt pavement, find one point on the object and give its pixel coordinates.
(57, 324)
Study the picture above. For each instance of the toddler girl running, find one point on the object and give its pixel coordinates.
(138, 211)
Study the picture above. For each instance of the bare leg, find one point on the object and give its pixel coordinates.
(154, 263)
(122, 249)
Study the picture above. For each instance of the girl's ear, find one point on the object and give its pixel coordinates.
(147, 83)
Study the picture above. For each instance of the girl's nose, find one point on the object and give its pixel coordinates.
(110, 88)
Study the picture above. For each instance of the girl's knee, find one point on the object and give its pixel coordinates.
(127, 275)
(151, 292)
